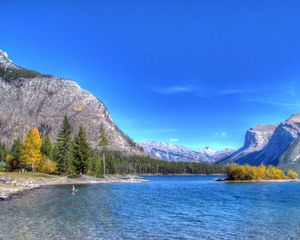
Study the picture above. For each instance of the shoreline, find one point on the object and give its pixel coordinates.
(16, 184)
(257, 181)
(181, 174)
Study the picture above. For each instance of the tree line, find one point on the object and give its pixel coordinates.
(74, 156)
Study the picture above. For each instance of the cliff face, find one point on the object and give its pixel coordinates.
(256, 139)
(284, 135)
(277, 145)
(30, 99)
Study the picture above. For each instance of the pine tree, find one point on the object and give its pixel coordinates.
(63, 146)
(103, 144)
(47, 147)
(81, 151)
(31, 151)
(97, 164)
(70, 161)
(3, 152)
(15, 152)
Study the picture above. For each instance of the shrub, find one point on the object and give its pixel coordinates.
(247, 172)
(47, 165)
(292, 174)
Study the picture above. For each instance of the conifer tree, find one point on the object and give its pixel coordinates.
(3, 152)
(70, 161)
(63, 146)
(97, 164)
(103, 144)
(47, 147)
(81, 151)
(15, 152)
(31, 151)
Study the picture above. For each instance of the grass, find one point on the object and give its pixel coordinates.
(27, 175)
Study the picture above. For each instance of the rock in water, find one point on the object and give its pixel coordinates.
(30, 99)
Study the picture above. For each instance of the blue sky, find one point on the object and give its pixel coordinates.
(194, 73)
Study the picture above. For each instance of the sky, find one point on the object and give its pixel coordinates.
(190, 72)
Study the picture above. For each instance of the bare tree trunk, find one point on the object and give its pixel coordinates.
(32, 166)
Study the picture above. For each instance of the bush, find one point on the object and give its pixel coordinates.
(247, 172)
(292, 174)
(47, 165)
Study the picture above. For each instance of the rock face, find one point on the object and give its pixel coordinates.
(277, 145)
(30, 99)
(175, 153)
(256, 139)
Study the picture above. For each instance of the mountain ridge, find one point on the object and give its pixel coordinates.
(31, 99)
(177, 153)
(277, 145)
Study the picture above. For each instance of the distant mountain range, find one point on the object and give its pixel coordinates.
(176, 153)
(277, 145)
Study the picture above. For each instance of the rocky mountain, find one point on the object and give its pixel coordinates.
(176, 153)
(277, 145)
(30, 99)
(256, 139)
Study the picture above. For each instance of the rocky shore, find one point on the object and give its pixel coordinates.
(17, 183)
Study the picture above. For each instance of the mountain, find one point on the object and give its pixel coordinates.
(277, 145)
(256, 139)
(176, 153)
(30, 99)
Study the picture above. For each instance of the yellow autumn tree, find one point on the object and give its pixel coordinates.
(292, 174)
(31, 151)
(46, 165)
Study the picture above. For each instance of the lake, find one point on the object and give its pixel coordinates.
(166, 207)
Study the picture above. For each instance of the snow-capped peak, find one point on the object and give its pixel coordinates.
(176, 153)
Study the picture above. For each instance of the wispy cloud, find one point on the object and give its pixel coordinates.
(174, 140)
(287, 95)
(284, 101)
(198, 91)
(222, 134)
(171, 90)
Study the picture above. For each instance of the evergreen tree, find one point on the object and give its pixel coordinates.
(3, 152)
(70, 161)
(31, 151)
(97, 164)
(63, 146)
(15, 152)
(47, 147)
(81, 151)
(103, 144)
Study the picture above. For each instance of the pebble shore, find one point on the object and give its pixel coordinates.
(11, 186)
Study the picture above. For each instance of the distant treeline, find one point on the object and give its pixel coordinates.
(73, 156)
(262, 172)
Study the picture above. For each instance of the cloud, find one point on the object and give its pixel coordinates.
(198, 91)
(273, 101)
(222, 134)
(171, 90)
(174, 140)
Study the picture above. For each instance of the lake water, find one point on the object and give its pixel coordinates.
(179, 207)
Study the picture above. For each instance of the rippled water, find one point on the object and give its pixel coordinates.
(185, 207)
